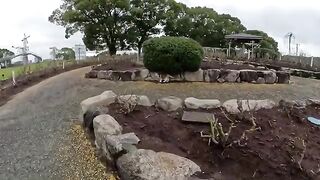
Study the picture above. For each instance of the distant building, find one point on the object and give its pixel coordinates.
(80, 52)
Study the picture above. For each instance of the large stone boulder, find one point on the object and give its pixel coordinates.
(176, 78)
(123, 143)
(248, 75)
(283, 77)
(290, 104)
(313, 102)
(91, 114)
(261, 80)
(231, 106)
(194, 103)
(230, 76)
(92, 74)
(211, 75)
(104, 99)
(235, 106)
(105, 125)
(126, 75)
(141, 74)
(135, 100)
(149, 165)
(316, 75)
(270, 77)
(103, 74)
(114, 75)
(255, 105)
(194, 76)
(153, 76)
(170, 103)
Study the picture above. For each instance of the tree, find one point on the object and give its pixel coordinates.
(225, 25)
(267, 44)
(105, 23)
(267, 41)
(146, 18)
(66, 54)
(201, 24)
(5, 53)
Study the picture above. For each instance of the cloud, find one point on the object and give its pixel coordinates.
(31, 17)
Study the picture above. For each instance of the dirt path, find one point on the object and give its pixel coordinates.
(33, 123)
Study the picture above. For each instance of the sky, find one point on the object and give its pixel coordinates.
(275, 17)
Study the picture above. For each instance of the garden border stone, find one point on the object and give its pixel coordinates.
(142, 164)
(209, 76)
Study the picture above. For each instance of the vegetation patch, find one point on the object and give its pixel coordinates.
(172, 55)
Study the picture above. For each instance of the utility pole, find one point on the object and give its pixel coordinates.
(297, 49)
(53, 52)
(25, 49)
(290, 36)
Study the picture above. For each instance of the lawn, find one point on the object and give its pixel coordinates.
(6, 73)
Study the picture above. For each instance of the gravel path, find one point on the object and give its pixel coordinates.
(34, 125)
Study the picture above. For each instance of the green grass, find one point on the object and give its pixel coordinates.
(6, 73)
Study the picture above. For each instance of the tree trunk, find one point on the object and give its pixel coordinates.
(112, 49)
(139, 49)
(139, 53)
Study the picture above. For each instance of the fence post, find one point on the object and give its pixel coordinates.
(311, 63)
(13, 78)
(62, 64)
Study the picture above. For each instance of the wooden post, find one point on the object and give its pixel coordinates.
(311, 63)
(229, 50)
(13, 79)
(252, 43)
(62, 64)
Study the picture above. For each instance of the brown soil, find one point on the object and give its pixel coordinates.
(118, 65)
(270, 153)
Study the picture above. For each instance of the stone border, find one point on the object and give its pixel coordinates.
(120, 149)
(209, 76)
(305, 73)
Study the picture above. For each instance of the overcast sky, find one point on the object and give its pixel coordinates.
(276, 17)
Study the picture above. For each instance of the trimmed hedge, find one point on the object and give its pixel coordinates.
(172, 55)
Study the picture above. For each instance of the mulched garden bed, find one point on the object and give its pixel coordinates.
(270, 153)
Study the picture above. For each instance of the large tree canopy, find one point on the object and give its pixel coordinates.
(103, 22)
(146, 18)
(201, 24)
(126, 24)
(5, 52)
(66, 54)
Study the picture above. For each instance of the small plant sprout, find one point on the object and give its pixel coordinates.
(217, 134)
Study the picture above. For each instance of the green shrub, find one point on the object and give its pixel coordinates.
(172, 55)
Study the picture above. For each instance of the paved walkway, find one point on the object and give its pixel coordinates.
(33, 123)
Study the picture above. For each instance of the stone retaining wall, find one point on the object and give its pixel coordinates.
(120, 149)
(305, 73)
(210, 76)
